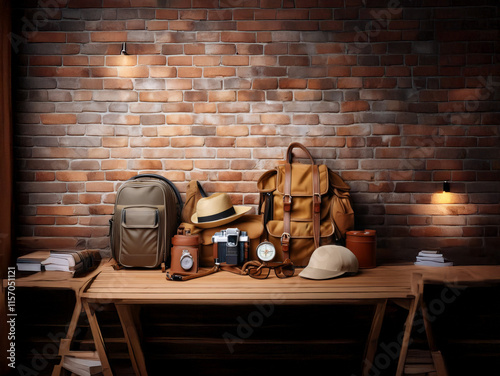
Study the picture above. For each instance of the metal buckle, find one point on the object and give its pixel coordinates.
(317, 202)
(285, 237)
(287, 202)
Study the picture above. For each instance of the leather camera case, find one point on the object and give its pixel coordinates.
(180, 243)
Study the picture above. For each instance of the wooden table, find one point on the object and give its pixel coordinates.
(129, 289)
(455, 277)
(61, 281)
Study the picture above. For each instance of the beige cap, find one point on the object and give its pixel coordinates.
(330, 261)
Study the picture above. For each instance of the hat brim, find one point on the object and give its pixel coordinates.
(240, 211)
(315, 273)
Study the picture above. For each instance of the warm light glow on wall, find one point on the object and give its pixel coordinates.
(442, 198)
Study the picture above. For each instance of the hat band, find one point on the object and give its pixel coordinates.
(210, 218)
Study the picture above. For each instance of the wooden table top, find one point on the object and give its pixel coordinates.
(150, 286)
(130, 286)
(55, 279)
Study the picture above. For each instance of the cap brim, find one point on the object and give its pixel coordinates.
(315, 273)
(240, 211)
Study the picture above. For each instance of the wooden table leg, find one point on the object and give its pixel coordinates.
(372, 342)
(98, 339)
(437, 357)
(129, 317)
(417, 287)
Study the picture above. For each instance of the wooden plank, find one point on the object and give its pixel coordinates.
(372, 342)
(129, 319)
(98, 339)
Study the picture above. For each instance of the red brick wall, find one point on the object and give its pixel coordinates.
(396, 96)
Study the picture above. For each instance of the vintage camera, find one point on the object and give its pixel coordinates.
(185, 253)
(230, 246)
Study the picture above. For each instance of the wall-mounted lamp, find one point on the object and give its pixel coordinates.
(446, 186)
(124, 49)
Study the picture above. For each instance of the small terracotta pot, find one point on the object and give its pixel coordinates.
(363, 244)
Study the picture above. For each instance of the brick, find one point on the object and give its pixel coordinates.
(145, 164)
(195, 96)
(205, 108)
(219, 72)
(182, 142)
(152, 60)
(115, 96)
(251, 95)
(121, 119)
(354, 106)
(310, 95)
(206, 60)
(166, 14)
(197, 14)
(279, 119)
(368, 71)
(181, 25)
(58, 118)
(235, 60)
(233, 107)
(160, 96)
(108, 36)
(297, 83)
(233, 130)
(185, 165)
(75, 60)
(306, 119)
(163, 72)
(189, 72)
(128, 60)
(184, 119)
(221, 49)
(279, 95)
(222, 96)
(118, 84)
(235, 37)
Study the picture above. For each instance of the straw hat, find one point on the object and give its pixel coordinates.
(216, 210)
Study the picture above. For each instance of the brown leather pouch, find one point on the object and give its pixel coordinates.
(185, 253)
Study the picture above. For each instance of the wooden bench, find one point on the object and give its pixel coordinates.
(129, 289)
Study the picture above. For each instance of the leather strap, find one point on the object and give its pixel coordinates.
(287, 207)
(316, 205)
(287, 199)
(215, 269)
(178, 277)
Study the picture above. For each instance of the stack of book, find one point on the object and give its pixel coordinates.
(432, 258)
(74, 262)
(82, 367)
(32, 262)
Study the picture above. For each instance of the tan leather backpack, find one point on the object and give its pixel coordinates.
(304, 206)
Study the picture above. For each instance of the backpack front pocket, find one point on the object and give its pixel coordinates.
(140, 236)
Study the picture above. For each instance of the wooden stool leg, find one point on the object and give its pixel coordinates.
(98, 339)
(129, 317)
(372, 343)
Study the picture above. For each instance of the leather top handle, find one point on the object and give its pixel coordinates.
(293, 145)
(174, 188)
